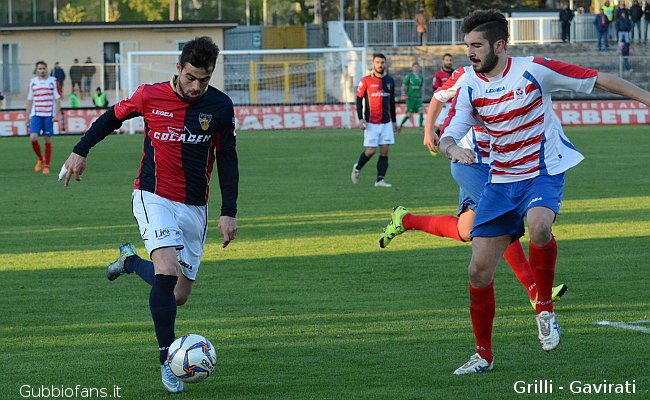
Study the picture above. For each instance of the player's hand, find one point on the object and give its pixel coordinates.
(461, 155)
(431, 139)
(75, 164)
(396, 129)
(228, 228)
(362, 124)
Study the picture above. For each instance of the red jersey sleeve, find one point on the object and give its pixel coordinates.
(361, 90)
(130, 105)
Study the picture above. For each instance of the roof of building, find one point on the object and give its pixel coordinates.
(153, 25)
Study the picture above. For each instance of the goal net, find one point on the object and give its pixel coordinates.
(285, 77)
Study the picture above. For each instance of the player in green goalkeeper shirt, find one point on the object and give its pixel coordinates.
(412, 91)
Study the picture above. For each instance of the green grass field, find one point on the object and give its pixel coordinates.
(304, 304)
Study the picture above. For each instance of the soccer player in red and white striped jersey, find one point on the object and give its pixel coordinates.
(440, 78)
(43, 105)
(511, 99)
(471, 178)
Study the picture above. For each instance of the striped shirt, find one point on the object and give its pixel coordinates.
(181, 139)
(476, 138)
(378, 92)
(526, 137)
(43, 93)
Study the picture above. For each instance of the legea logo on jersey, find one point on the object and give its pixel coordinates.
(161, 233)
(495, 90)
(163, 113)
(204, 120)
(380, 94)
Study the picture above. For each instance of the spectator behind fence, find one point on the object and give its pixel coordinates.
(88, 72)
(59, 74)
(623, 27)
(422, 23)
(636, 13)
(76, 74)
(646, 20)
(566, 16)
(74, 99)
(625, 53)
(618, 11)
(609, 13)
(99, 98)
(602, 24)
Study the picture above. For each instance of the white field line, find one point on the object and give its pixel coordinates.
(631, 326)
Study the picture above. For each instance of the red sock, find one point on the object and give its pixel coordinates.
(439, 225)
(37, 149)
(517, 260)
(542, 261)
(481, 308)
(48, 153)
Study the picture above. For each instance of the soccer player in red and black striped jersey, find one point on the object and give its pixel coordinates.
(378, 119)
(189, 126)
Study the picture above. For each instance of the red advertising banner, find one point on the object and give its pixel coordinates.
(574, 112)
(602, 112)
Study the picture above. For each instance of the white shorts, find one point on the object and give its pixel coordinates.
(378, 134)
(443, 115)
(166, 223)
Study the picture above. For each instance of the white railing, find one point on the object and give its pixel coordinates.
(395, 33)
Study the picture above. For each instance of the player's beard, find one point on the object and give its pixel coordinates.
(490, 62)
(185, 93)
(379, 72)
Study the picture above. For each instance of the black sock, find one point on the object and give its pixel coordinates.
(363, 159)
(143, 268)
(382, 167)
(163, 311)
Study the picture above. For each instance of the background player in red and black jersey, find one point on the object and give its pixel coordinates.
(441, 76)
(377, 119)
(188, 126)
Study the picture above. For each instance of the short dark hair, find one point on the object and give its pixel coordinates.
(39, 63)
(447, 55)
(492, 23)
(201, 52)
(415, 63)
(378, 55)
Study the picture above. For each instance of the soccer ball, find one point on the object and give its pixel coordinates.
(191, 358)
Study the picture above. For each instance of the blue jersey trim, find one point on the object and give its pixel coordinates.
(542, 163)
(479, 158)
(531, 78)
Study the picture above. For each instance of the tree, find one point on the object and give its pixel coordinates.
(71, 14)
(151, 10)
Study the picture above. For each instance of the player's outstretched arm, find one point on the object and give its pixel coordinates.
(614, 84)
(431, 139)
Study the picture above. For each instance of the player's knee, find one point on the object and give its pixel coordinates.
(541, 233)
(480, 275)
(465, 233)
(181, 298)
(370, 151)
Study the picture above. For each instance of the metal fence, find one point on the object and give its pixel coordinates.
(538, 30)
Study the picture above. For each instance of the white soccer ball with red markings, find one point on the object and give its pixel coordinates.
(191, 358)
